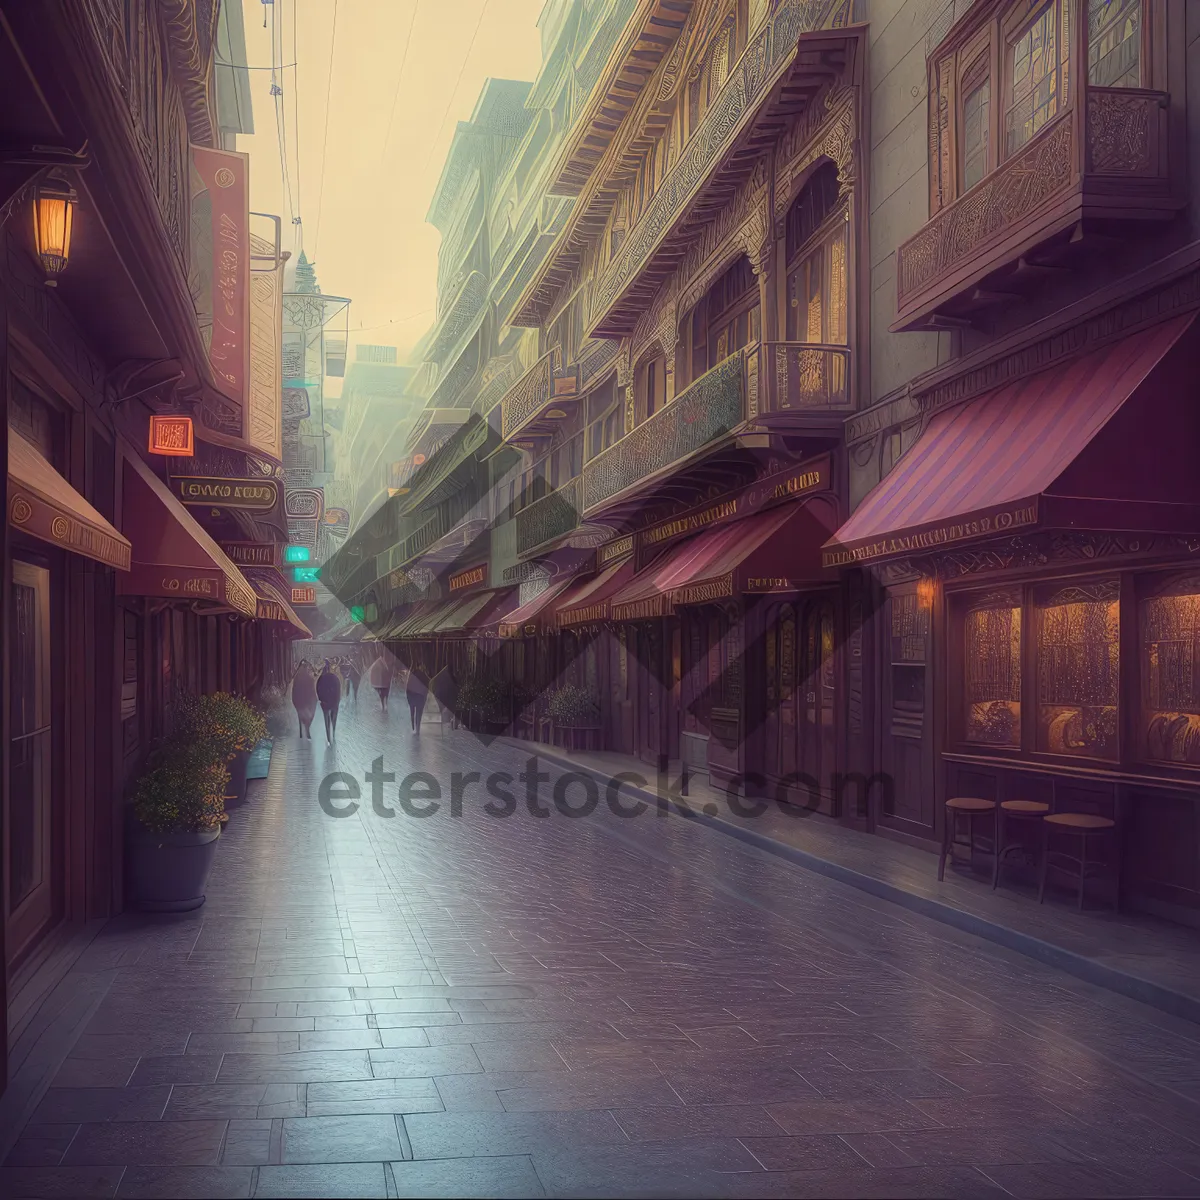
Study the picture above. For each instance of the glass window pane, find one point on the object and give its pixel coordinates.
(976, 111)
(1170, 658)
(992, 675)
(1077, 665)
(1036, 77)
(1114, 43)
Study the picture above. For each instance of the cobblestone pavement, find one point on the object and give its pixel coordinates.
(475, 1006)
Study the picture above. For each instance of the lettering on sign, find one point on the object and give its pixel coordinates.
(688, 524)
(252, 554)
(940, 535)
(171, 436)
(798, 483)
(616, 549)
(702, 593)
(304, 595)
(254, 495)
(190, 587)
(469, 578)
(771, 585)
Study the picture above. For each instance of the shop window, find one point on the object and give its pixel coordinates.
(1077, 670)
(992, 671)
(1114, 43)
(726, 318)
(1170, 668)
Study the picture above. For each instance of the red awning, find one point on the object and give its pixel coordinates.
(271, 602)
(43, 504)
(589, 602)
(1059, 449)
(172, 556)
(536, 615)
(774, 551)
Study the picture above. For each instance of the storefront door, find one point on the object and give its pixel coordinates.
(31, 898)
(801, 733)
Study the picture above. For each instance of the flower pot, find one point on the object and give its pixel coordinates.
(167, 872)
(237, 778)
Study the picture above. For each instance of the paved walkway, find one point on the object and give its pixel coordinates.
(1136, 954)
(445, 1006)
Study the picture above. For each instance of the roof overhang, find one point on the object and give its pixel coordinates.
(648, 36)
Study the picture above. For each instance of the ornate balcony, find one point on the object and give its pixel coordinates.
(548, 519)
(1037, 209)
(802, 378)
(783, 387)
(534, 406)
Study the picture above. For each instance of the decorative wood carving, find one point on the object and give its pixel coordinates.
(746, 87)
(988, 211)
(1123, 131)
(548, 519)
(833, 137)
(1038, 550)
(529, 395)
(705, 410)
(190, 62)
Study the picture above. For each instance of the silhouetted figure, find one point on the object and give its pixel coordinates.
(381, 679)
(304, 697)
(417, 692)
(353, 679)
(445, 691)
(329, 693)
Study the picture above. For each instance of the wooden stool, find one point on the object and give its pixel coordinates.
(1086, 827)
(969, 807)
(1013, 810)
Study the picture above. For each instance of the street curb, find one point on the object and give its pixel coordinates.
(1176, 1004)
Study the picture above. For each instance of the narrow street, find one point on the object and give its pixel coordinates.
(521, 1006)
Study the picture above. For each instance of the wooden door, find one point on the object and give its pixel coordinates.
(32, 897)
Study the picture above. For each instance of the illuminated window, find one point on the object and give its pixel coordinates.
(1170, 669)
(1037, 74)
(992, 672)
(1078, 630)
(1114, 43)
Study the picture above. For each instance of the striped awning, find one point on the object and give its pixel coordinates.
(1007, 461)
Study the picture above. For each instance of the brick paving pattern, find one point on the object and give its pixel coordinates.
(550, 1006)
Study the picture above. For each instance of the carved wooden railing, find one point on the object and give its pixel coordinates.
(1125, 142)
(706, 410)
(547, 519)
(798, 377)
(529, 396)
(460, 313)
(1127, 133)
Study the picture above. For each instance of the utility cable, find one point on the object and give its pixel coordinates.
(325, 138)
(387, 137)
(454, 91)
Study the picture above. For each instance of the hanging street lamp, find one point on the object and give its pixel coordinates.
(54, 203)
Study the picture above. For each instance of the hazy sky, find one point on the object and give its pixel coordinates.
(363, 204)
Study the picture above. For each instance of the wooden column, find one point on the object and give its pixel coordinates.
(6, 583)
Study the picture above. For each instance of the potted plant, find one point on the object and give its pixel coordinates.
(231, 725)
(485, 704)
(576, 711)
(177, 811)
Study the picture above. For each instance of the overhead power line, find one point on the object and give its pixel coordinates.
(457, 81)
(387, 137)
(325, 137)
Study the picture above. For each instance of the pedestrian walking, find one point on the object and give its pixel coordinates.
(329, 693)
(417, 692)
(445, 691)
(381, 679)
(353, 679)
(304, 697)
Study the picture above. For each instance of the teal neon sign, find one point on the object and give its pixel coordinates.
(297, 554)
(306, 574)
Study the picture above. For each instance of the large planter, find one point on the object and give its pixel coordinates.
(578, 737)
(237, 778)
(167, 872)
